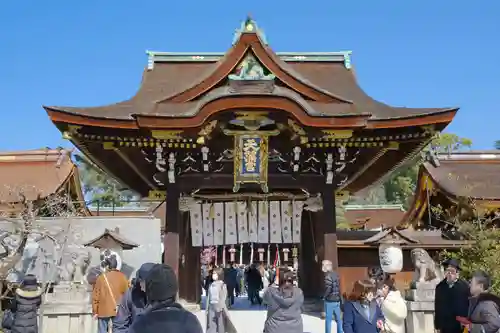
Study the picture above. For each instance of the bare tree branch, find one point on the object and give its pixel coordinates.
(24, 205)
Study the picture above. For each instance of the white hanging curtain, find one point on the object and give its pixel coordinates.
(275, 222)
(298, 207)
(286, 221)
(196, 222)
(208, 225)
(230, 219)
(253, 227)
(263, 233)
(242, 217)
(218, 210)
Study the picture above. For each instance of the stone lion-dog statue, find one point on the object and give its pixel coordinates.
(426, 269)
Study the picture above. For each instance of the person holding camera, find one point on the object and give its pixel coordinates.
(107, 293)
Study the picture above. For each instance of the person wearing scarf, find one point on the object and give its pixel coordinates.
(163, 313)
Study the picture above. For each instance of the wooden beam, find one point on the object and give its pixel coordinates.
(309, 182)
(172, 228)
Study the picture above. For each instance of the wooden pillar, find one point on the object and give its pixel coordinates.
(307, 252)
(172, 228)
(329, 224)
(189, 267)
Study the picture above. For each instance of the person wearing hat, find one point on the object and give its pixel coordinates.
(163, 313)
(133, 301)
(451, 299)
(25, 306)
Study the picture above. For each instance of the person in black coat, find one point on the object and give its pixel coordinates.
(451, 300)
(133, 302)
(254, 281)
(231, 281)
(25, 306)
(163, 313)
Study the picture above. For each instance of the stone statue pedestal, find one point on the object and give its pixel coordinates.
(422, 291)
(420, 304)
(70, 292)
(420, 317)
(68, 309)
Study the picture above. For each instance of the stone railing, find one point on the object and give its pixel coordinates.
(67, 309)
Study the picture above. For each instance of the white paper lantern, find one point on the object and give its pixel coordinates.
(391, 258)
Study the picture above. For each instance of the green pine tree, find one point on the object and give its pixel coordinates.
(342, 223)
(100, 188)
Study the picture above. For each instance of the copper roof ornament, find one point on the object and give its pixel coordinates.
(249, 26)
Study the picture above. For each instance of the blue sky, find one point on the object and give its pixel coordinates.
(87, 53)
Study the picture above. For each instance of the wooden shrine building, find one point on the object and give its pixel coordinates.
(34, 176)
(457, 185)
(247, 139)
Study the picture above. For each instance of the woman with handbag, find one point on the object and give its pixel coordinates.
(107, 293)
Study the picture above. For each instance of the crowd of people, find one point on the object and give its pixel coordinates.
(264, 285)
(240, 280)
(148, 304)
(460, 304)
(375, 305)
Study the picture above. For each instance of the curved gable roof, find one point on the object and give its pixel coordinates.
(174, 85)
(251, 42)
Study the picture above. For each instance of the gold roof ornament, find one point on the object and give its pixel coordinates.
(337, 134)
(251, 121)
(166, 135)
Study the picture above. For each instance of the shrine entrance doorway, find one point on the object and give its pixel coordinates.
(244, 232)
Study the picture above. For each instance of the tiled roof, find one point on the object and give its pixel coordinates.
(125, 243)
(34, 173)
(410, 238)
(374, 216)
(474, 174)
(167, 79)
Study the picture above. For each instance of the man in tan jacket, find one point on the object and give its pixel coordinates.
(108, 291)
